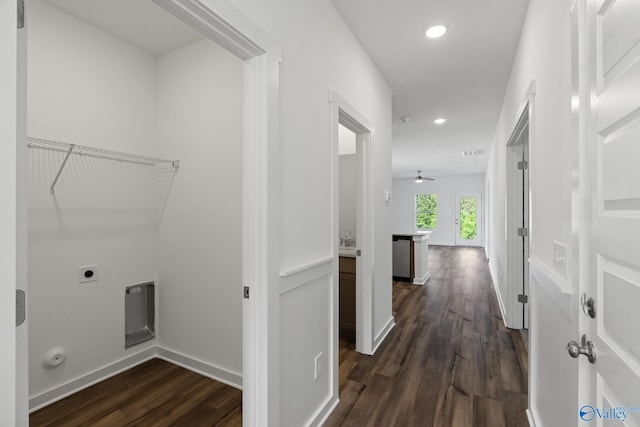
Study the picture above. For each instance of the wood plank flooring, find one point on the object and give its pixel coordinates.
(155, 393)
(449, 362)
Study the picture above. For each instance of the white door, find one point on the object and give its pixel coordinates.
(468, 223)
(611, 263)
(13, 343)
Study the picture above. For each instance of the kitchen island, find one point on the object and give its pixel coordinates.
(411, 257)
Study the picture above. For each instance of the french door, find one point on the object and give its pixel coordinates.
(468, 219)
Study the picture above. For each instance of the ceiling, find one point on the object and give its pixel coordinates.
(461, 76)
(160, 33)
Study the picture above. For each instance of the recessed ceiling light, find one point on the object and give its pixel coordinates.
(436, 31)
(439, 121)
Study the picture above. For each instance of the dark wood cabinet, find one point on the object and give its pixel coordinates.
(347, 306)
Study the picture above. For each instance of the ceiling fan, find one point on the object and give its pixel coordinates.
(419, 178)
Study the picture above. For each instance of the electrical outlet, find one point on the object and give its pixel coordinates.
(88, 273)
(318, 366)
(560, 258)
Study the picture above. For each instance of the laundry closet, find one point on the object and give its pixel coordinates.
(134, 195)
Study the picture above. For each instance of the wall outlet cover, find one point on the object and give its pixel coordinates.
(88, 273)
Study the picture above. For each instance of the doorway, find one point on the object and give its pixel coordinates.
(469, 222)
(518, 223)
(259, 114)
(344, 115)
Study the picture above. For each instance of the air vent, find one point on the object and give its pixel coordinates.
(476, 152)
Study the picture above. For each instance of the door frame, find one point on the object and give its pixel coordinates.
(519, 250)
(220, 21)
(479, 241)
(348, 116)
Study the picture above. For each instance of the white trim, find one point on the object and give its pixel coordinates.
(209, 370)
(323, 413)
(383, 334)
(308, 266)
(532, 419)
(557, 286)
(496, 288)
(421, 280)
(80, 383)
(221, 22)
(233, 379)
(12, 351)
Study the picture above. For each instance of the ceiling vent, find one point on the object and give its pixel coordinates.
(472, 153)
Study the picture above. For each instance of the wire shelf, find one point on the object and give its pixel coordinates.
(81, 150)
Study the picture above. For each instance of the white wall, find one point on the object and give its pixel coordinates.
(96, 91)
(187, 105)
(348, 194)
(445, 187)
(200, 245)
(543, 56)
(319, 53)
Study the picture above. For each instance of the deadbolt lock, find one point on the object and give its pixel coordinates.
(588, 306)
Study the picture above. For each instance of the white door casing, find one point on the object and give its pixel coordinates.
(517, 213)
(13, 340)
(479, 236)
(611, 195)
(348, 116)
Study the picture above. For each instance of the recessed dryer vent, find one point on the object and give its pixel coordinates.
(139, 309)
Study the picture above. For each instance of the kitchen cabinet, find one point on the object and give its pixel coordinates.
(347, 304)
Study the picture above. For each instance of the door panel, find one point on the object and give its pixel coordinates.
(469, 219)
(613, 258)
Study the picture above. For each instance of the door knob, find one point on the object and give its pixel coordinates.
(586, 348)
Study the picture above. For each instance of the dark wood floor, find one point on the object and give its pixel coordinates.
(156, 393)
(449, 361)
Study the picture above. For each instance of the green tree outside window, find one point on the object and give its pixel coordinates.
(468, 207)
(426, 211)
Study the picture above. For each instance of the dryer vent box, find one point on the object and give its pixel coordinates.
(139, 304)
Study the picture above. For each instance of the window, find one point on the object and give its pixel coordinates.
(426, 211)
(468, 219)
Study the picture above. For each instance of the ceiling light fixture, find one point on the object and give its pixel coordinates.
(436, 31)
(439, 121)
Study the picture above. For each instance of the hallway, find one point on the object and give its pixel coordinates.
(449, 361)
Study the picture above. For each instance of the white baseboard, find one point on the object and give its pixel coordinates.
(203, 368)
(209, 370)
(383, 334)
(60, 392)
(323, 413)
(503, 311)
(532, 419)
(421, 280)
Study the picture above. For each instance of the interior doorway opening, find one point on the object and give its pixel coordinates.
(257, 109)
(518, 223)
(353, 253)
